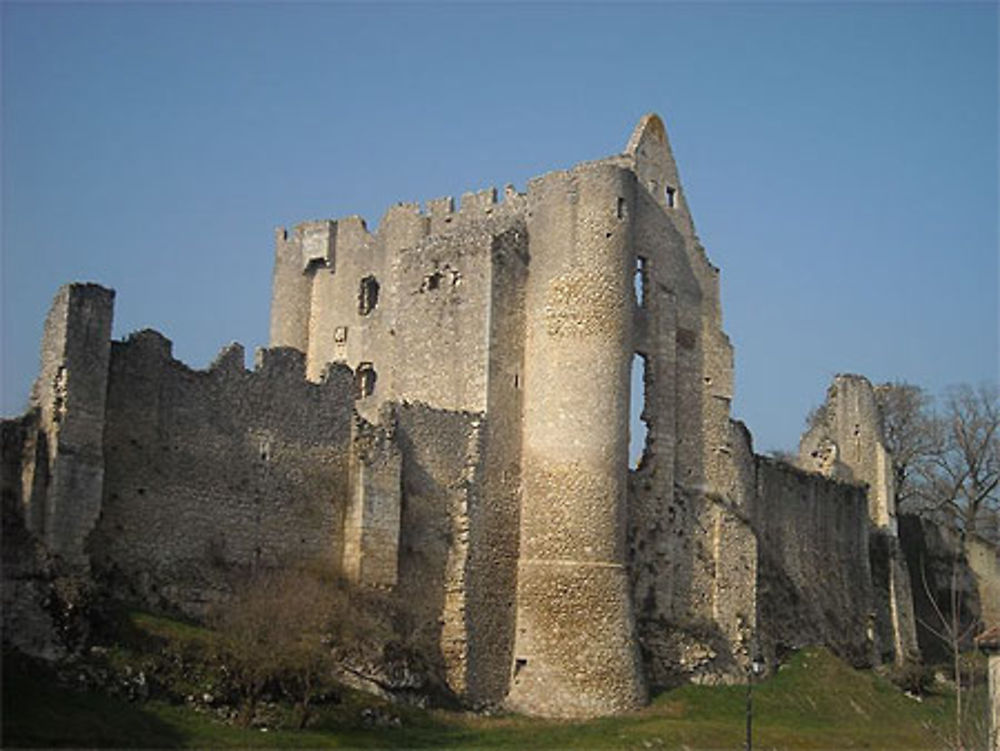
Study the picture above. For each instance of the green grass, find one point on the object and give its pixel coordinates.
(814, 702)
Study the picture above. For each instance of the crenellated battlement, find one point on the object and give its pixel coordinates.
(318, 242)
(150, 348)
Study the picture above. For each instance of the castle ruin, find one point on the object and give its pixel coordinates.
(443, 412)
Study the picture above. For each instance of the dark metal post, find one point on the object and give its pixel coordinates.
(749, 743)
(754, 669)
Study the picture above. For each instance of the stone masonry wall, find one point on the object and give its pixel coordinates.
(408, 301)
(845, 441)
(575, 651)
(984, 561)
(441, 340)
(27, 570)
(70, 396)
(371, 521)
(494, 518)
(211, 471)
(441, 472)
(814, 586)
(692, 554)
(943, 569)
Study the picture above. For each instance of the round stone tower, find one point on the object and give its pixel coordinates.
(575, 649)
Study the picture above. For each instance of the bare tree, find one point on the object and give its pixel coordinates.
(962, 475)
(280, 630)
(945, 462)
(911, 435)
(947, 625)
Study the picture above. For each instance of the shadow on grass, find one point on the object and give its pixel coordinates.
(814, 702)
(39, 713)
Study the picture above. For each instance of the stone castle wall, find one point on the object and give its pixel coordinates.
(222, 469)
(444, 413)
(946, 569)
(845, 442)
(67, 475)
(814, 584)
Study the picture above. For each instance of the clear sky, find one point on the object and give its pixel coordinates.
(840, 161)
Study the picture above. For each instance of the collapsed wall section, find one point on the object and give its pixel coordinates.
(210, 473)
(692, 554)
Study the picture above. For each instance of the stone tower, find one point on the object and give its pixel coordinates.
(575, 646)
(531, 313)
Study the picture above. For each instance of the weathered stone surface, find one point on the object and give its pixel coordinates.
(846, 442)
(946, 569)
(814, 585)
(444, 414)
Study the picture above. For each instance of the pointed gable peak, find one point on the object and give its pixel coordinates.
(648, 130)
(653, 161)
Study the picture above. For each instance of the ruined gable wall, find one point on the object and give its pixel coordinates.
(846, 442)
(692, 552)
(670, 566)
(814, 585)
(213, 471)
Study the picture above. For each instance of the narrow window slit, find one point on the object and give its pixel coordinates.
(368, 295)
(364, 380)
(640, 281)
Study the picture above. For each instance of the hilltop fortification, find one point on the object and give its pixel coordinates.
(443, 413)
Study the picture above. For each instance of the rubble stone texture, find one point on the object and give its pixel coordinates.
(444, 412)
(846, 442)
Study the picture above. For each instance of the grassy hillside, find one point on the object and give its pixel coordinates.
(815, 701)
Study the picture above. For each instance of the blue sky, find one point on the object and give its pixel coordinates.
(840, 161)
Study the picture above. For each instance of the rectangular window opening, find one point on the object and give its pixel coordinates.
(638, 425)
(640, 281)
(364, 380)
(671, 197)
